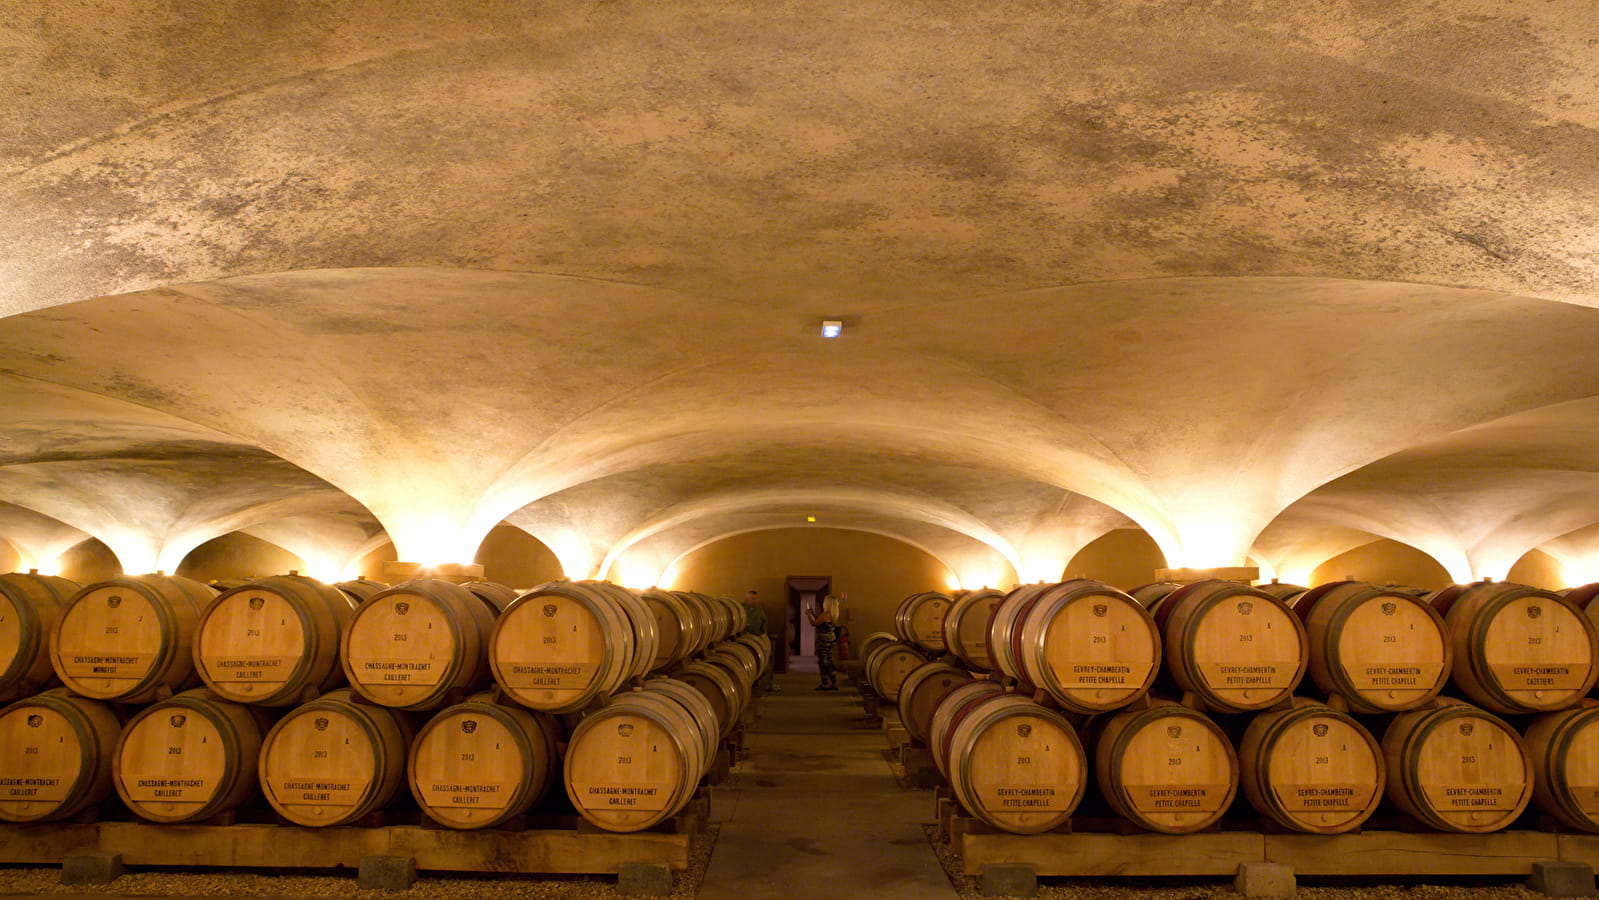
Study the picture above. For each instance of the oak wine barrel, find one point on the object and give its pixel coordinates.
(919, 620)
(1381, 650)
(563, 644)
(1016, 765)
(889, 665)
(635, 762)
(998, 640)
(1311, 768)
(1091, 646)
(699, 616)
(1287, 593)
(676, 627)
(1457, 768)
(1564, 750)
(949, 711)
(479, 763)
(189, 757)
(273, 640)
(30, 603)
(1236, 648)
(872, 642)
(333, 760)
(359, 589)
(921, 692)
(966, 628)
(129, 638)
(1521, 649)
(413, 645)
(1166, 768)
(761, 646)
(738, 654)
(56, 751)
(722, 684)
(1150, 594)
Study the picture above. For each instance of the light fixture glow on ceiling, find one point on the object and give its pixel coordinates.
(810, 518)
(832, 329)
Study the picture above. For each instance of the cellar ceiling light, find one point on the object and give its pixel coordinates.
(832, 329)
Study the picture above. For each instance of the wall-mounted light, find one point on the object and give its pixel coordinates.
(810, 518)
(832, 329)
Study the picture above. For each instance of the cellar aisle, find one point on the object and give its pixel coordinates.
(813, 811)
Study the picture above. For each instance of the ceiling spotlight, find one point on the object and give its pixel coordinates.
(810, 518)
(832, 329)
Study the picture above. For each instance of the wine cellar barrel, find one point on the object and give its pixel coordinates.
(761, 646)
(1151, 594)
(332, 761)
(1166, 768)
(949, 711)
(889, 665)
(872, 642)
(999, 641)
(1311, 768)
(919, 620)
(921, 692)
(1091, 646)
(478, 763)
(1236, 648)
(634, 763)
(413, 645)
(56, 751)
(561, 645)
(1520, 649)
(189, 758)
(496, 595)
(1457, 768)
(273, 640)
(358, 590)
(1564, 750)
(1381, 650)
(677, 628)
(966, 628)
(699, 614)
(738, 654)
(1287, 593)
(129, 638)
(722, 685)
(1016, 765)
(30, 603)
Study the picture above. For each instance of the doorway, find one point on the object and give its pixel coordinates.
(799, 635)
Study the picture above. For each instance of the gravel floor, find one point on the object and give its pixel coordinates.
(256, 883)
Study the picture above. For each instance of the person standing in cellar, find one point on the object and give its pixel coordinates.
(826, 641)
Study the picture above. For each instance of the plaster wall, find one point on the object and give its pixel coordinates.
(514, 558)
(239, 555)
(1124, 558)
(877, 572)
(1539, 569)
(10, 560)
(1383, 562)
(89, 562)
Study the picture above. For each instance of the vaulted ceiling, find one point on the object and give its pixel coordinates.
(1266, 280)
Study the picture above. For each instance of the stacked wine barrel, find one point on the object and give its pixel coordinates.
(331, 701)
(1316, 754)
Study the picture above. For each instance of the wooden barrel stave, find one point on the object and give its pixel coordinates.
(1563, 748)
(273, 640)
(477, 764)
(1311, 768)
(56, 753)
(333, 760)
(921, 692)
(1016, 765)
(129, 639)
(1456, 767)
(1382, 651)
(189, 758)
(1235, 648)
(966, 628)
(1166, 768)
(1520, 649)
(417, 644)
(30, 603)
(1092, 647)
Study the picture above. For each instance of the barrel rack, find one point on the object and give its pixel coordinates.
(547, 846)
(1377, 853)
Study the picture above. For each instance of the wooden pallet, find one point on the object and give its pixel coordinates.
(1372, 853)
(546, 851)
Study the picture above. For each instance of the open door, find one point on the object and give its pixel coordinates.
(799, 635)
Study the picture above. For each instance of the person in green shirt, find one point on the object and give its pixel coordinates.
(755, 623)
